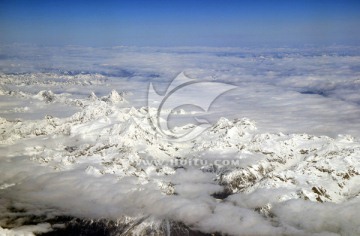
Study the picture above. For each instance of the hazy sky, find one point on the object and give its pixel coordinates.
(179, 23)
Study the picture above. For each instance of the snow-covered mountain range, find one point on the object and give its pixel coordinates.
(107, 165)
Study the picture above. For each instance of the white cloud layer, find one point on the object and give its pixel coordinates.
(64, 152)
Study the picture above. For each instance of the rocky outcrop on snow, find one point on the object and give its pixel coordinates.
(47, 96)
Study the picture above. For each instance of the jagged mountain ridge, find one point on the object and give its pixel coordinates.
(108, 141)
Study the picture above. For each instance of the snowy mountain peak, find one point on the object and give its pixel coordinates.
(45, 95)
(114, 97)
(93, 96)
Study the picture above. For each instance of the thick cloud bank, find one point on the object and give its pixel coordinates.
(76, 141)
